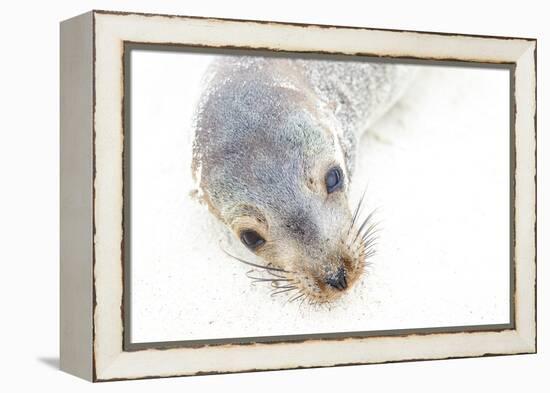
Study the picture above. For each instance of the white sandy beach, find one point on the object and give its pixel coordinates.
(436, 166)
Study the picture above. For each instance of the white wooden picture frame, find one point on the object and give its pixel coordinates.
(94, 338)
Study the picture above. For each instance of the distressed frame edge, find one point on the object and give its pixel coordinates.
(528, 339)
(76, 196)
(304, 24)
(256, 370)
(525, 189)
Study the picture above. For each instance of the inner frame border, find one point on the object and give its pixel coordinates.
(128, 345)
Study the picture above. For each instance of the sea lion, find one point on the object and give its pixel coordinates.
(273, 154)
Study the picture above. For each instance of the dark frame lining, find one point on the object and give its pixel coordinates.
(128, 345)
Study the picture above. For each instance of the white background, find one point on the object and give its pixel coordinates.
(29, 196)
(437, 169)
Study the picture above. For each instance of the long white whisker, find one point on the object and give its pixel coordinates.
(254, 264)
(356, 212)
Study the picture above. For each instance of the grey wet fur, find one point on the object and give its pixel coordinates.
(267, 130)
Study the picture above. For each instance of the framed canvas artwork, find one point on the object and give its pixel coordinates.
(246, 195)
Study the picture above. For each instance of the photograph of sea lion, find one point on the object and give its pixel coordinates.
(275, 146)
(287, 194)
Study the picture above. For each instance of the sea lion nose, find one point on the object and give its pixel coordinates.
(338, 280)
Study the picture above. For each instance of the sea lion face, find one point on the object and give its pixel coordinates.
(309, 237)
(278, 179)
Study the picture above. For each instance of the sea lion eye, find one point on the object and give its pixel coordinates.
(333, 179)
(251, 239)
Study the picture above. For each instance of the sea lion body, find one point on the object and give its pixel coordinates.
(273, 154)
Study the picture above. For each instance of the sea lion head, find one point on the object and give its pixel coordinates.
(272, 168)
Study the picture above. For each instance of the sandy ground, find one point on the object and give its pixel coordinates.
(436, 168)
